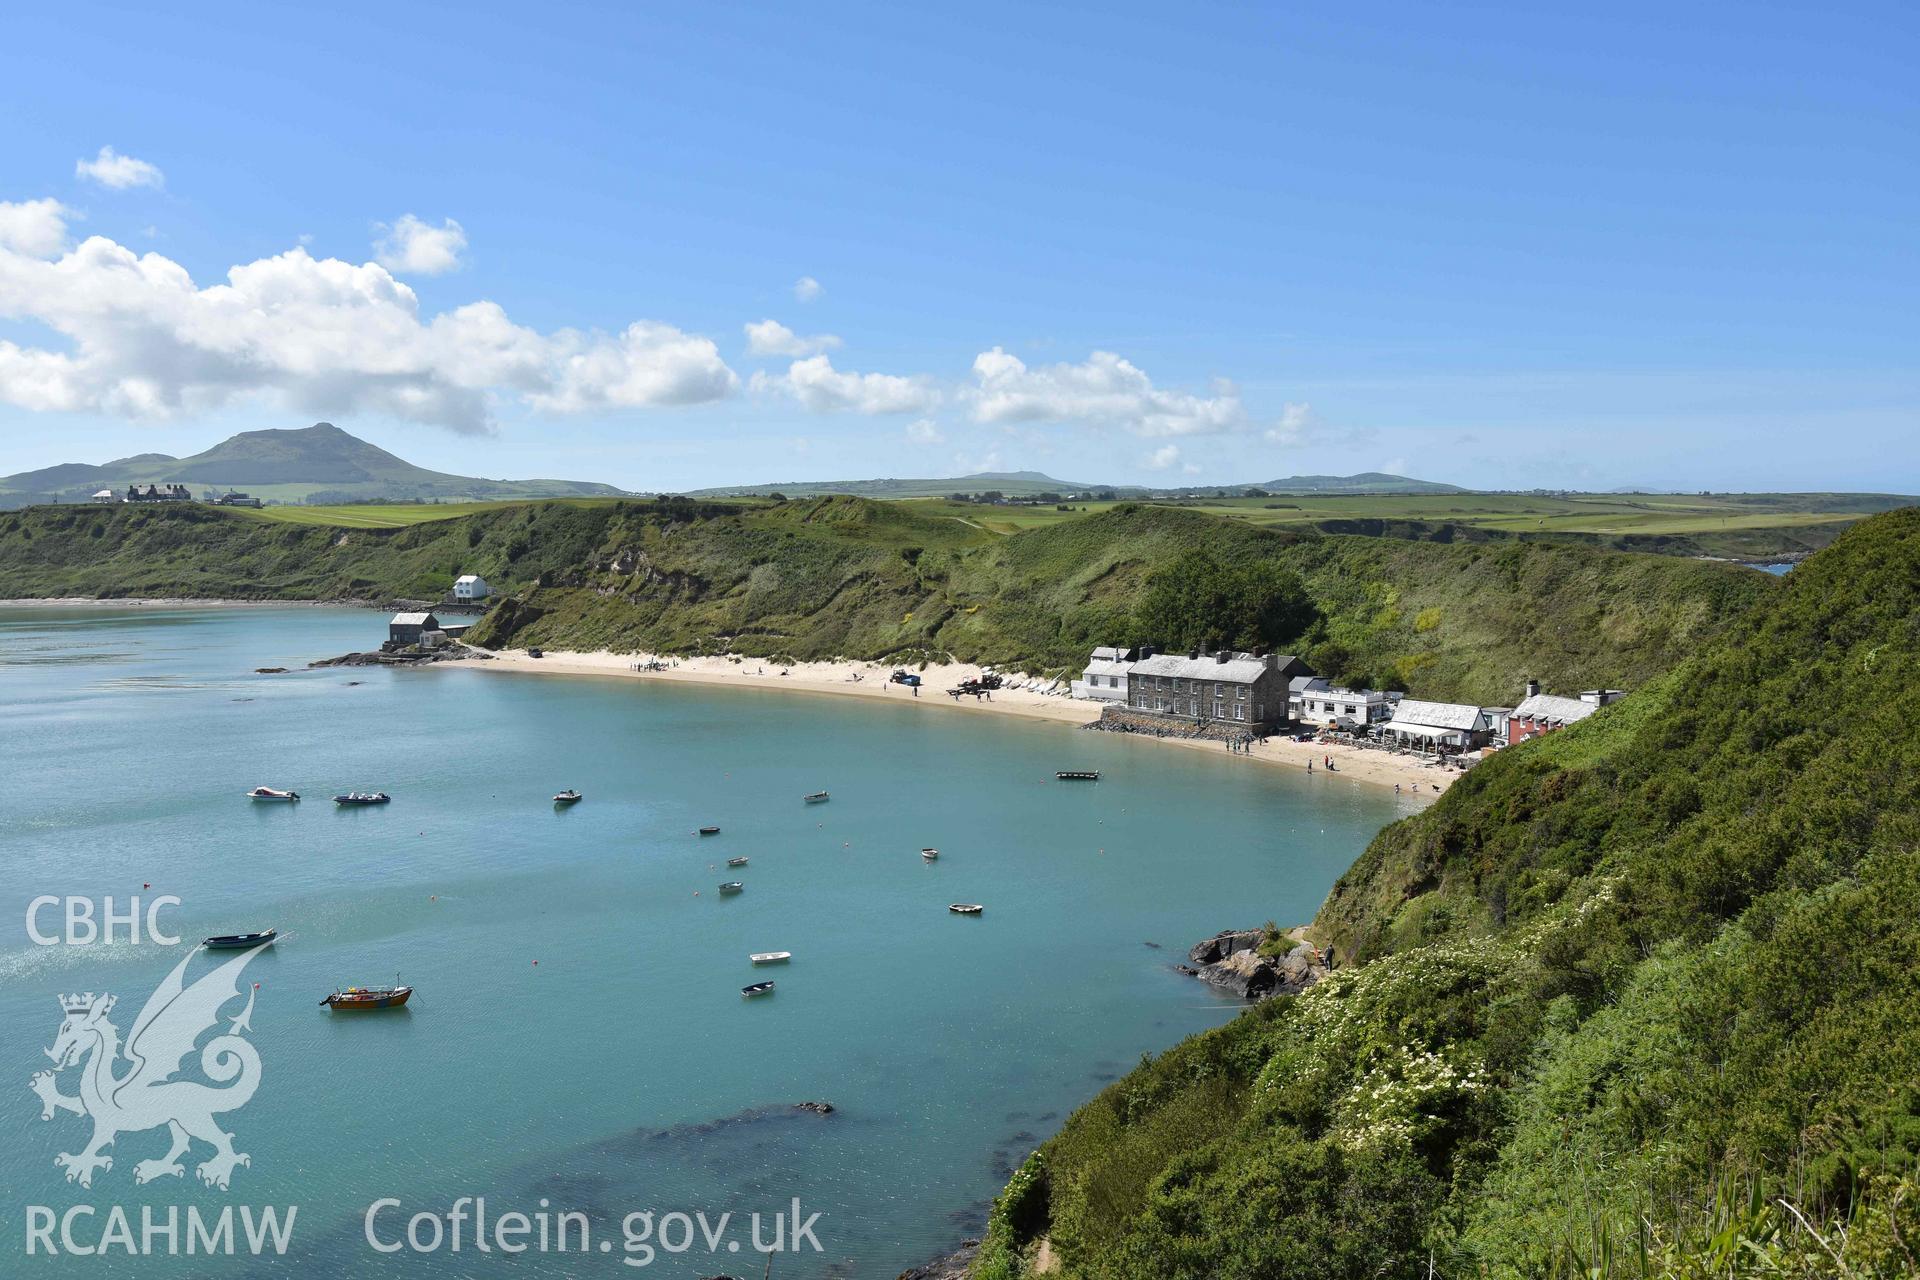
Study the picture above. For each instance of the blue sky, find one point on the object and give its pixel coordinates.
(1658, 245)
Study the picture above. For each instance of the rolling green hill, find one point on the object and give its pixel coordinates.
(1635, 999)
(852, 577)
(318, 463)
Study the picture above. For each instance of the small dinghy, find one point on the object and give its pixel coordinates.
(929, 854)
(817, 797)
(569, 796)
(966, 908)
(1077, 775)
(268, 793)
(362, 798)
(732, 886)
(358, 999)
(709, 831)
(736, 862)
(757, 989)
(239, 941)
(771, 957)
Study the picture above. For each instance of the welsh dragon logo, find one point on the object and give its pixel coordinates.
(146, 1096)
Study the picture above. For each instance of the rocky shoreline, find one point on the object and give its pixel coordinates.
(1232, 961)
(404, 658)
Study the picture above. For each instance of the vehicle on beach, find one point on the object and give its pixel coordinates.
(966, 908)
(771, 957)
(536, 653)
(569, 796)
(736, 862)
(757, 989)
(268, 793)
(240, 941)
(361, 999)
(353, 798)
(817, 797)
(904, 677)
(731, 886)
(929, 854)
(709, 831)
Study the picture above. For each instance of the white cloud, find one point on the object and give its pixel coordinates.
(771, 338)
(37, 228)
(806, 289)
(420, 248)
(971, 466)
(1164, 457)
(111, 169)
(1104, 391)
(1297, 423)
(816, 384)
(323, 336)
(925, 431)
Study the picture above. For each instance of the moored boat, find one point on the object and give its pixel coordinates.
(816, 797)
(757, 989)
(1077, 775)
(929, 854)
(352, 798)
(709, 831)
(966, 908)
(268, 793)
(239, 941)
(770, 957)
(732, 886)
(357, 999)
(569, 796)
(736, 862)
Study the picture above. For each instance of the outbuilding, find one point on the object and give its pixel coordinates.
(407, 628)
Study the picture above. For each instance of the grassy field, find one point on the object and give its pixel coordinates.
(1739, 525)
(1816, 518)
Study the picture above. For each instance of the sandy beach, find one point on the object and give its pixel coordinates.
(1023, 697)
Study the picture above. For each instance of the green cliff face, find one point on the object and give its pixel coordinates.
(844, 576)
(1612, 1005)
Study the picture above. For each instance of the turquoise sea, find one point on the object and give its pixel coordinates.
(578, 1036)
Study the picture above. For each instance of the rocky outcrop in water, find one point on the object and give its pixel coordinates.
(1231, 960)
(952, 1267)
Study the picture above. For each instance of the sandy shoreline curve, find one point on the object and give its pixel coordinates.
(1417, 781)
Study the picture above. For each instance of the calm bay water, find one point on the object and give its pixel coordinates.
(622, 1071)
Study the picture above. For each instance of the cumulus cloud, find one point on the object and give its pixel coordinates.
(806, 289)
(324, 336)
(1167, 457)
(1296, 425)
(1105, 390)
(37, 228)
(925, 431)
(419, 248)
(771, 338)
(816, 384)
(111, 169)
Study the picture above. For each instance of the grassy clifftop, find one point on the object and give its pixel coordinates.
(1617, 1001)
(850, 576)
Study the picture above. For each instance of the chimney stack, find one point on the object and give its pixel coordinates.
(1533, 688)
